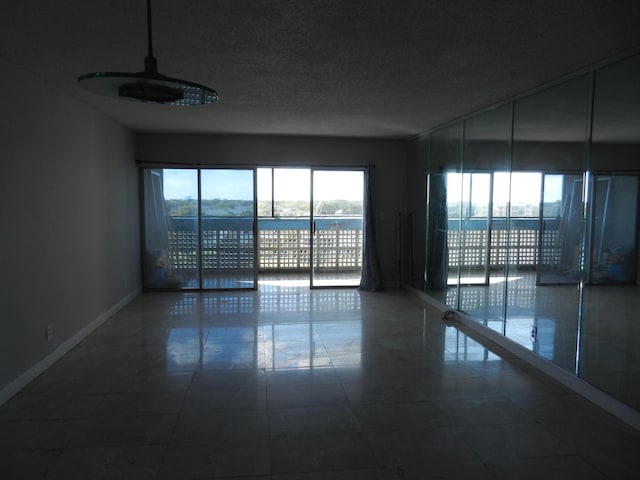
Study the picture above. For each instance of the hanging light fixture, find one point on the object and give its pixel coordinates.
(149, 85)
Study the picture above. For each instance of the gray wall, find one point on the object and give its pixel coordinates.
(69, 242)
(416, 231)
(389, 157)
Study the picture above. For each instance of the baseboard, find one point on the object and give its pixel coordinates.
(24, 379)
(603, 400)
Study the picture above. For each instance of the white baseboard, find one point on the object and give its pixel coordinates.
(23, 380)
(606, 402)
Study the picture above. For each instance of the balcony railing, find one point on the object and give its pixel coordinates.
(467, 242)
(283, 244)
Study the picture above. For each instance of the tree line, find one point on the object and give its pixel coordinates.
(284, 208)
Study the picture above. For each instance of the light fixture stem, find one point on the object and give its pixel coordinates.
(150, 62)
(149, 32)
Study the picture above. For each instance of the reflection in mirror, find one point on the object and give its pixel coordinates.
(485, 191)
(474, 218)
(417, 174)
(546, 220)
(610, 327)
(442, 234)
(461, 348)
(561, 229)
(562, 223)
(612, 239)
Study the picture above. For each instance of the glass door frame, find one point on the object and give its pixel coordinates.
(254, 228)
(313, 230)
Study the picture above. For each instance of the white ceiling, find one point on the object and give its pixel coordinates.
(367, 68)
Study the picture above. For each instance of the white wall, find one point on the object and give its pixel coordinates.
(388, 156)
(69, 241)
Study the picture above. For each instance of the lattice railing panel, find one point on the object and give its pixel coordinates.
(468, 248)
(227, 244)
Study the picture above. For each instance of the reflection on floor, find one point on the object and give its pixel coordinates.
(609, 357)
(292, 383)
(245, 280)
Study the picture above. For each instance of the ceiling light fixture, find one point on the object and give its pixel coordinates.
(148, 86)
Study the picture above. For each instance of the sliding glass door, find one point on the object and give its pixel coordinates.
(336, 224)
(227, 239)
(199, 229)
(171, 225)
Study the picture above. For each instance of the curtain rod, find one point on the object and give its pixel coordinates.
(144, 163)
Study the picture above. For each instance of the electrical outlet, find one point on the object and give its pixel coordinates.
(49, 332)
(534, 333)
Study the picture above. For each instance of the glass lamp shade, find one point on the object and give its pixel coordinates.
(148, 87)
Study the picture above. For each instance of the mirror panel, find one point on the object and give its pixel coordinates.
(483, 226)
(610, 331)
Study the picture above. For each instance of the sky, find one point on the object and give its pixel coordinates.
(291, 184)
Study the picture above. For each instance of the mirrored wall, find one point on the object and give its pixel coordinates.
(532, 227)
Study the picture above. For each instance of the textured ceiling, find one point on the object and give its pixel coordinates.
(318, 67)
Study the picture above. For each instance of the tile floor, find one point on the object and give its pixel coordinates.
(291, 384)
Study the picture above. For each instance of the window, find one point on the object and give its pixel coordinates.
(284, 192)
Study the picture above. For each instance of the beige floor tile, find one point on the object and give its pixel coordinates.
(288, 383)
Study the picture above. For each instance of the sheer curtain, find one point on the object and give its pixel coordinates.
(371, 279)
